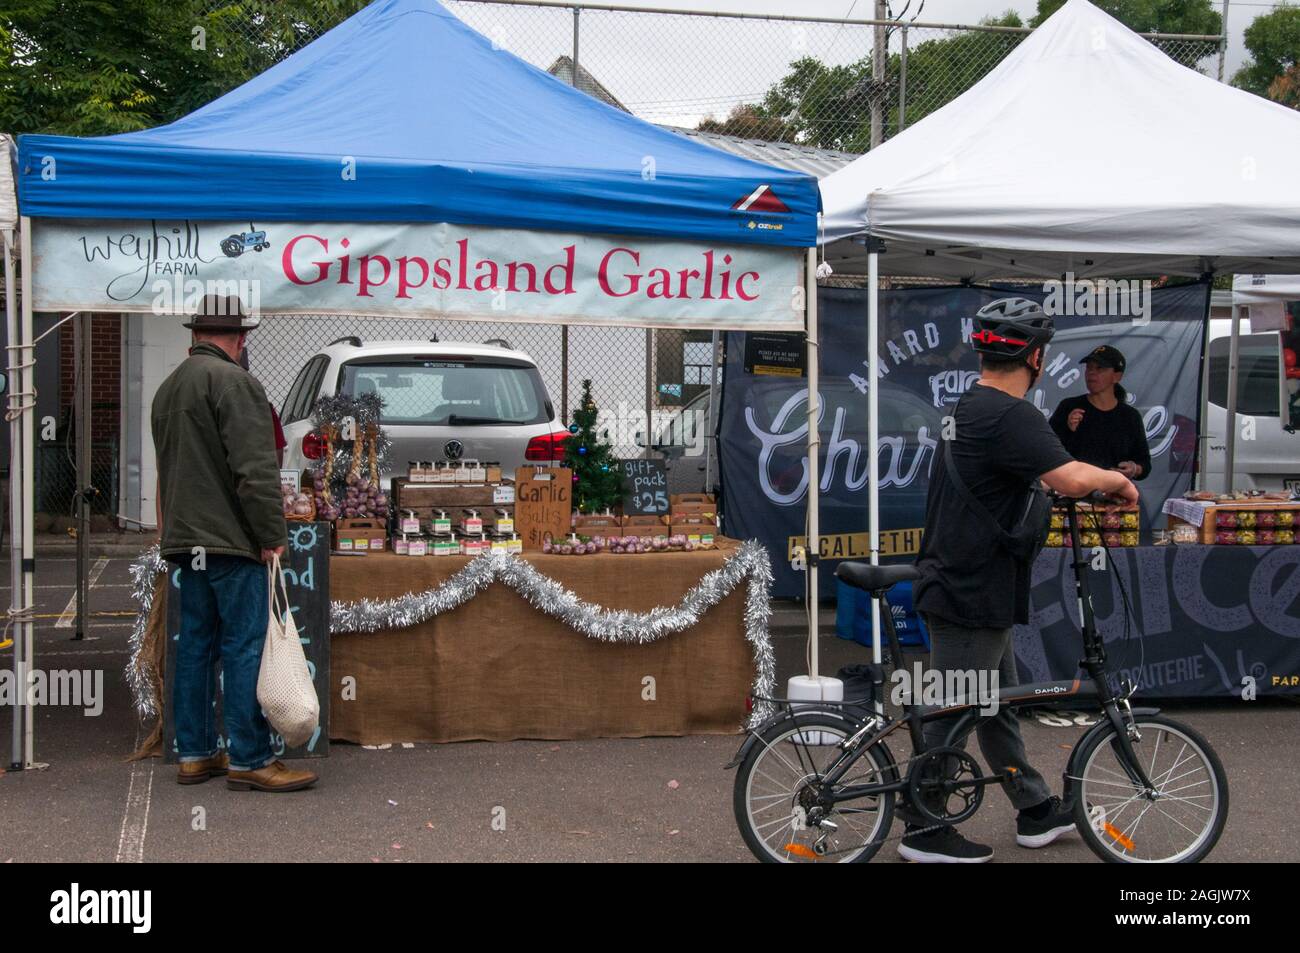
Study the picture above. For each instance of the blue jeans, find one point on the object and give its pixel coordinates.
(223, 615)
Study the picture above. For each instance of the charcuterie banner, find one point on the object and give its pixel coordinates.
(405, 270)
(926, 364)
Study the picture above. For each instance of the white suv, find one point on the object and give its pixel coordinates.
(442, 402)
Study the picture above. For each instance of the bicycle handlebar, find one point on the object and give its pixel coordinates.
(1096, 496)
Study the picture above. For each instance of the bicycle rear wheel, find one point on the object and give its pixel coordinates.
(773, 798)
(1184, 818)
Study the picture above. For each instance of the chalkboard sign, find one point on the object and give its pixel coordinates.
(305, 566)
(780, 353)
(645, 487)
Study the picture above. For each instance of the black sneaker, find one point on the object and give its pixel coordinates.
(1058, 822)
(944, 846)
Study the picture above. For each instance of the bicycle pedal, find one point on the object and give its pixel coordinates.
(1013, 780)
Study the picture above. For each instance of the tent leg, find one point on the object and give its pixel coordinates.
(1230, 435)
(15, 489)
(873, 439)
(83, 338)
(814, 478)
(709, 431)
(22, 412)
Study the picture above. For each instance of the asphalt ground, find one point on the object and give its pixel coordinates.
(655, 799)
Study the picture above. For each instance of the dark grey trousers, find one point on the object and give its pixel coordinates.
(958, 647)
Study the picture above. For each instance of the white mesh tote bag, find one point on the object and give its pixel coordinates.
(284, 687)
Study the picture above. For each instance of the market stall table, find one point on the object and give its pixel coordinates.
(496, 668)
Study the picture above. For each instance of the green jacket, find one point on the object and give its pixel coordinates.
(218, 475)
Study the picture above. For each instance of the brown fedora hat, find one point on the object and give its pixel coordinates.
(221, 313)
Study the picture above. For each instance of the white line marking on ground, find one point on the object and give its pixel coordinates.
(135, 820)
(70, 612)
(44, 654)
(72, 585)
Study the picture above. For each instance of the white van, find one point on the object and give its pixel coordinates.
(1271, 461)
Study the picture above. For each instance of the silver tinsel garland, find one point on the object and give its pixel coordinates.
(748, 564)
(144, 576)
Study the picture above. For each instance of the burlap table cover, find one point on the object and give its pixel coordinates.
(496, 669)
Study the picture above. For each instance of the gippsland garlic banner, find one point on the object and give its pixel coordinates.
(408, 270)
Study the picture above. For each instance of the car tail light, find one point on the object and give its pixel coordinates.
(313, 446)
(547, 448)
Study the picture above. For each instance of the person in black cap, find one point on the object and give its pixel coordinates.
(1101, 427)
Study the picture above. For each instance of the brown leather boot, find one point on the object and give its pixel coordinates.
(196, 772)
(274, 777)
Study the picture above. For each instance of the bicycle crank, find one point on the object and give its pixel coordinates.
(945, 785)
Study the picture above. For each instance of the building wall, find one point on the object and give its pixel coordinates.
(106, 375)
(152, 347)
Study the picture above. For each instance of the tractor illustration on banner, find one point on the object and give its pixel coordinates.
(236, 245)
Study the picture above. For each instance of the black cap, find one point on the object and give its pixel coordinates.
(1105, 356)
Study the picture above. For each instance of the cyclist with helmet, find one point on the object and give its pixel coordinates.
(972, 587)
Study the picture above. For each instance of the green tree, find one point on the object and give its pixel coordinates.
(99, 67)
(830, 106)
(1273, 40)
(748, 121)
(598, 481)
(938, 71)
(1151, 16)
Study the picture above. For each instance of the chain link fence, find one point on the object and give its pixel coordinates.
(628, 387)
(819, 83)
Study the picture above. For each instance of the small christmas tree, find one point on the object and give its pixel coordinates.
(597, 479)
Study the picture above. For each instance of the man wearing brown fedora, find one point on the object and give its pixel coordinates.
(222, 520)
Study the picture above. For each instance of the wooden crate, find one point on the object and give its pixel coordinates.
(1210, 526)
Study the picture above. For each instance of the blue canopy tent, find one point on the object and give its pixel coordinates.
(443, 127)
(401, 114)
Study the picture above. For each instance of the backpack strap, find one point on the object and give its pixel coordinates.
(964, 493)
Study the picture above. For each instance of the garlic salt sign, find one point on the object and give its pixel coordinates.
(164, 267)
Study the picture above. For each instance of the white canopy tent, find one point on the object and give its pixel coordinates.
(1084, 151)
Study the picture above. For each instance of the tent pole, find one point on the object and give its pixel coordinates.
(27, 478)
(83, 339)
(1230, 437)
(711, 415)
(15, 485)
(814, 479)
(873, 437)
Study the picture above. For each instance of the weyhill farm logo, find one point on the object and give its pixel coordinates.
(174, 251)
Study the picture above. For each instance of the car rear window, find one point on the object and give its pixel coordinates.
(1257, 374)
(449, 392)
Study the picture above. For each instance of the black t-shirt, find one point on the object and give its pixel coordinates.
(1000, 444)
(1104, 438)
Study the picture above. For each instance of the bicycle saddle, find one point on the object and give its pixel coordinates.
(875, 578)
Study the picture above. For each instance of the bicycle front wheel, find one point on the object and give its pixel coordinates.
(1178, 822)
(775, 794)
